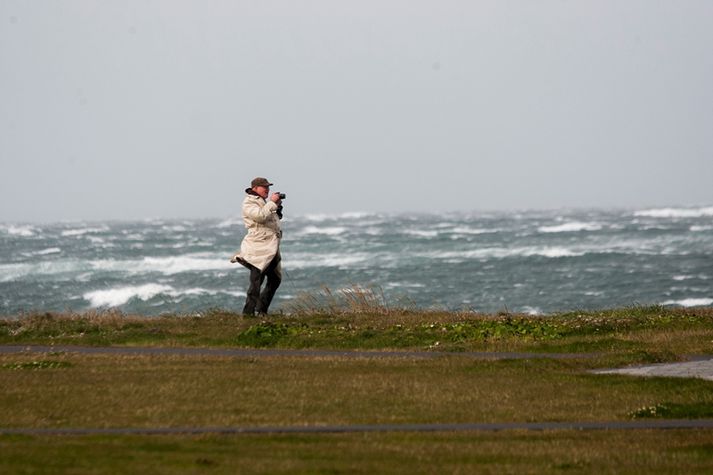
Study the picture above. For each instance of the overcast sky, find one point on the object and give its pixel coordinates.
(168, 108)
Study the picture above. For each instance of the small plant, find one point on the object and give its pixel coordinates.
(670, 410)
(263, 334)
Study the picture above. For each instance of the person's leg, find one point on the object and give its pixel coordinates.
(274, 278)
(253, 295)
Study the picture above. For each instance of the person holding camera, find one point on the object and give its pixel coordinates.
(260, 248)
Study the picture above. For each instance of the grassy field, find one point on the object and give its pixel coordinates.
(60, 390)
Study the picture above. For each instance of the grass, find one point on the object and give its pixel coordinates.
(644, 334)
(110, 391)
(113, 391)
(645, 451)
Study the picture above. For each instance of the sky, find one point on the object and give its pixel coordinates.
(168, 108)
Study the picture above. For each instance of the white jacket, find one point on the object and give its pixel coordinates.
(262, 241)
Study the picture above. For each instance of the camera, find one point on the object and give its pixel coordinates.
(282, 196)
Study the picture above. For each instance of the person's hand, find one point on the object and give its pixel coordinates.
(275, 198)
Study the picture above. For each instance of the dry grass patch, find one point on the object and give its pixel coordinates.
(631, 451)
(176, 391)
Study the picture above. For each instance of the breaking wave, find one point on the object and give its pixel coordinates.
(572, 227)
(693, 302)
(122, 295)
(677, 212)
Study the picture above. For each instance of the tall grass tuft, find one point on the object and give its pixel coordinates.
(349, 300)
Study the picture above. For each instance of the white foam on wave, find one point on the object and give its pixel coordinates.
(469, 230)
(119, 296)
(179, 228)
(531, 310)
(327, 231)
(50, 250)
(351, 215)
(82, 231)
(421, 233)
(703, 212)
(502, 252)
(230, 222)
(165, 265)
(404, 285)
(571, 227)
(22, 231)
(697, 229)
(12, 272)
(692, 302)
(323, 260)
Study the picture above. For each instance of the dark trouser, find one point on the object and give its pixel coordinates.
(256, 301)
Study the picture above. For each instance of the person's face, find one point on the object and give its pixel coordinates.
(263, 191)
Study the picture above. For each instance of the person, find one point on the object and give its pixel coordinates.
(260, 248)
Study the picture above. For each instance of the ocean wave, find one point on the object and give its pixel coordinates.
(703, 212)
(121, 295)
(531, 310)
(404, 285)
(164, 265)
(83, 231)
(327, 231)
(420, 233)
(571, 227)
(691, 302)
(469, 230)
(229, 223)
(118, 296)
(44, 252)
(21, 231)
(697, 228)
(323, 260)
(349, 215)
(13, 272)
(503, 252)
(178, 228)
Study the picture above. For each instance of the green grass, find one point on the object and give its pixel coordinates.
(110, 391)
(638, 451)
(59, 390)
(655, 333)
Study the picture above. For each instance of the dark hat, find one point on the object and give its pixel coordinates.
(260, 181)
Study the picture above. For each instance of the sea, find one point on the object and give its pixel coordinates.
(534, 262)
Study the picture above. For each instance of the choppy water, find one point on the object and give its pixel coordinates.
(536, 262)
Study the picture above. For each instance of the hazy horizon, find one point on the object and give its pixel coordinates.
(168, 109)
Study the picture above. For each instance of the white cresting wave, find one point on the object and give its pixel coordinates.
(691, 302)
(503, 252)
(163, 265)
(45, 252)
(21, 231)
(703, 212)
(83, 231)
(571, 227)
(118, 296)
(327, 231)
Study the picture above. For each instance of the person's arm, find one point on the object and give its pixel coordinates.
(259, 214)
